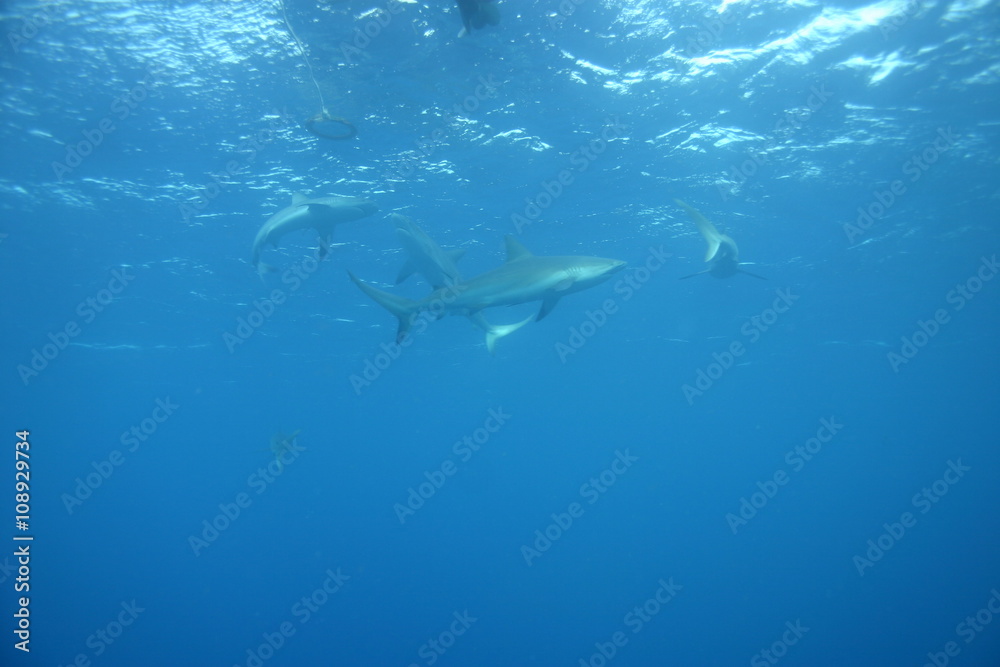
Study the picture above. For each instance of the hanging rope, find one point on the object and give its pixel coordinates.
(314, 124)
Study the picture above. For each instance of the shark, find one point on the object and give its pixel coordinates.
(477, 14)
(523, 278)
(722, 251)
(280, 444)
(321, 214)
(439, 267)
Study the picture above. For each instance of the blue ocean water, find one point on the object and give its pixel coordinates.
(799, 470)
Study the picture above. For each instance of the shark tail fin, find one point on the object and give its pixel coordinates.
(402, 308)
(494, 332)
(713, 247)
(708, 231)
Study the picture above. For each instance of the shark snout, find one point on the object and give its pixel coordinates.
(610, 267)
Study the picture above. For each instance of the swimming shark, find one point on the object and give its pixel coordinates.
(281, 443)
(321, 214)
(438, 267)
(523, 278)
(477, 14)
(722, 251)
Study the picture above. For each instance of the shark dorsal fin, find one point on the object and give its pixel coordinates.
(456, 254)
(298, 199)
(515, 250)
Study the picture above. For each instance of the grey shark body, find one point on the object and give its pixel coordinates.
(425, 257)
(522, 279)
(722, 253)
(321, 214)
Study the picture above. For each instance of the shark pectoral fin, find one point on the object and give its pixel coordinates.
(409, 268)
(751, 274)
(694, 274)
(548, 304)
(324, 247)
(564, 285)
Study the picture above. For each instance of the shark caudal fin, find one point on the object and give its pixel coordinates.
(263, 269)
(494, 332)
(708, 231)
(404, 309)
